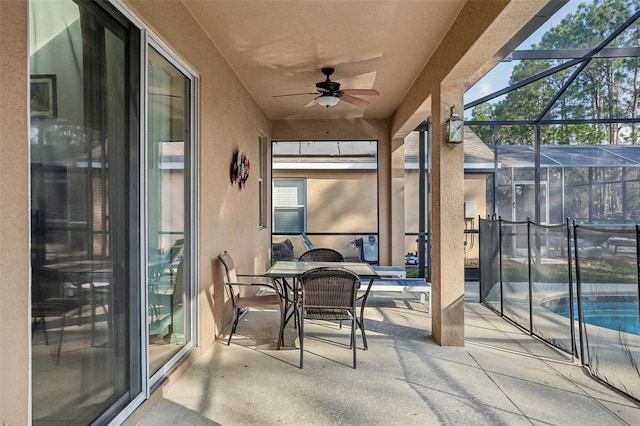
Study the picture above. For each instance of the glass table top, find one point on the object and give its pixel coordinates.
(285, 268)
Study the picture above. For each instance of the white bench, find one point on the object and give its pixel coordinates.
(403, 285)
(390, 271)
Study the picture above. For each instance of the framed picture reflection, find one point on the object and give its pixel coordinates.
(43, 101)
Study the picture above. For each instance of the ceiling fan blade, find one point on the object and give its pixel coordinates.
(295, 94)
(353, 100)
(368, 92)
(311, 103)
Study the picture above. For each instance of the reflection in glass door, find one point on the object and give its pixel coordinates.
(83, 354)
(168, 187)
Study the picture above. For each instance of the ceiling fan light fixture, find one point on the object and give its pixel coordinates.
(328, 93)
(327, 100)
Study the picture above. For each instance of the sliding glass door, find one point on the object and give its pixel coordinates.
(112, 211)
(84, 211)
(168, 207)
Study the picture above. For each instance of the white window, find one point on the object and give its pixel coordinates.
(289, 206)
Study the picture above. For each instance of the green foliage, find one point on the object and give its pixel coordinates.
(607, 87)
(483, 112)
(598, 271)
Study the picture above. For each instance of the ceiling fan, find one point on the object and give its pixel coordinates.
(328, 93)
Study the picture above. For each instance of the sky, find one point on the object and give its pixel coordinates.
(498, 78)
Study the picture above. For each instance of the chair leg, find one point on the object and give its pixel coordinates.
(59, 349)
(283, 313)
(235, 324)
(44, 327)
(353, 338)
(301, 335)
(361, 325)
(280, 338)
(295, 297)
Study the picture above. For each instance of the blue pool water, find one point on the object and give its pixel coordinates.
(621, 314)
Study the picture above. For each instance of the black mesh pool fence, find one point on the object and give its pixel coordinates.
(574, 286)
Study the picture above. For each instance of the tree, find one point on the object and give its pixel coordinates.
(607, 88)
(483, 112)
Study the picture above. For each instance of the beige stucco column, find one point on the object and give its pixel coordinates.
(397, 192)
(447, 250)
(15, 322)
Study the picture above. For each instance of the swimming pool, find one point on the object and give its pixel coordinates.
(616, 312)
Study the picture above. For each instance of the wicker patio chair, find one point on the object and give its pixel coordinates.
(328, 294)
(53, 295)
(321, 255)
(241, 302)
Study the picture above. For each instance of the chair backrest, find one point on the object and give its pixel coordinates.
(176, 250)
(162, 263)
(178, 291)
(52, 291)
(230, 273)
(157, 268)
(46, 283)
(321, 255)
(329, 288)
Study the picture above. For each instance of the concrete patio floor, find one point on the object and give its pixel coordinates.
(501, 376)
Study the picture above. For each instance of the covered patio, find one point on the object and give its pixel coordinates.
(231, 71)
(500, 376)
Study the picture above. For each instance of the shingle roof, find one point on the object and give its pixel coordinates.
(476, 152)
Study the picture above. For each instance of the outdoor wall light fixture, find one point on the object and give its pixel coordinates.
(454, 128)
(328, 100)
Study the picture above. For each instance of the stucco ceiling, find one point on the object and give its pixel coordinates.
(279, 47)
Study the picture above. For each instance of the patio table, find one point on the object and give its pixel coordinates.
(288, 273)
(93, 276)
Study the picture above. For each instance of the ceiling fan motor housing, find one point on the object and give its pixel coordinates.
(329, 86)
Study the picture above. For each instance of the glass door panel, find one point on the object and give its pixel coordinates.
(524, 202)
(80, 199)
(168, 210)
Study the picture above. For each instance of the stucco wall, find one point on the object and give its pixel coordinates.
(339, 201)
(229, 120)
(14, 221)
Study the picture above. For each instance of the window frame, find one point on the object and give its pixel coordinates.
(302, 195)
(262, 179)
(190, 252)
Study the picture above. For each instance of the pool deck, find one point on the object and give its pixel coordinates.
(501, 376)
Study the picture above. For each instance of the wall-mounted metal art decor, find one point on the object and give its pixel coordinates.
(240, 169)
